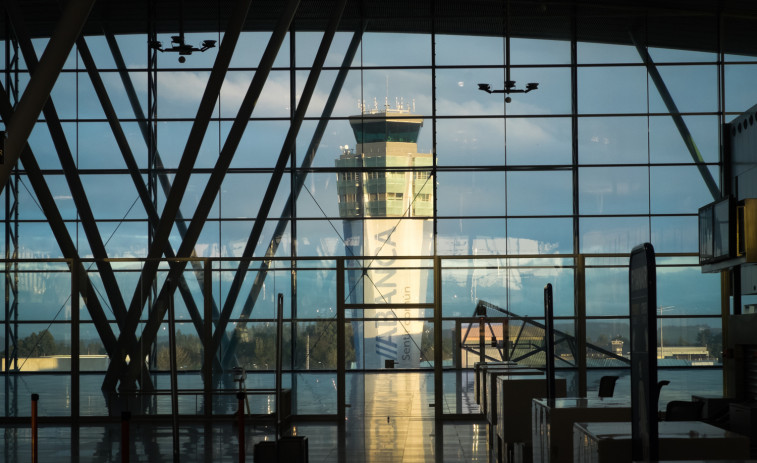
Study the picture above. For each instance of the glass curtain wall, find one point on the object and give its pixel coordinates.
(555, 186)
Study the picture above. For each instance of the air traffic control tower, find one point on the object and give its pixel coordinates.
(386, 203)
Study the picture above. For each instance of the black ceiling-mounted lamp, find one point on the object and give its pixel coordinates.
(509, 84)
(178, 45)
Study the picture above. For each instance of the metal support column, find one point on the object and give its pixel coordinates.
(11, 264)
(41, 83)
(438, 358)
(578, 277)
(341, 367)
(75, 364)
(580, 327)
(174, 376)
(729, 389)
(209, 355)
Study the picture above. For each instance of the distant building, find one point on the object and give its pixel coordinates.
(683, 352)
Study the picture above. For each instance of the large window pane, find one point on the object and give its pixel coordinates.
(466, 237)
(666, 144)
(675, 234)
(461, 50)
(692, 88)
(740, 91)
(470, 142)
(613, 234)
(384, 49)
(678, 190)
(538, 141)
(540, 236)
(613, 190)
(688, 291)
(552, 97)
(606, 291)
(601, 53)
(457, 92)
(539, 193)
(613, 140)
(471, 194)
(612, 90)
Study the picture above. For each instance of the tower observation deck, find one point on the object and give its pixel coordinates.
(379, 180)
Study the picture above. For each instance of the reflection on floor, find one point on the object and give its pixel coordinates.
(390, 418)
(390, 442)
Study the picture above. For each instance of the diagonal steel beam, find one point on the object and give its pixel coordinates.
(41, 84)
(281, 226)
(667, 98)
(273, 185)
(131, 164)
(219, 170)
(181, 180)
(108, 278)
(189, 156)
(71, 173)
(60, 232)
(162, 177)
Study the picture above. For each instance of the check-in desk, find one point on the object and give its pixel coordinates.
(479, 376)
(552, 424)
(491, 374)
(678, 440)
(513, 416)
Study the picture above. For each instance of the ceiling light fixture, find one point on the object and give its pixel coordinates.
(509, 83)
(178, 44)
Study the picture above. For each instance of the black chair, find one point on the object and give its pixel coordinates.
(681, 410)
(660, 384)
(607, 386)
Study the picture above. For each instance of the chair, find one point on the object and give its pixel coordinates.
(607, 386)
(660, 384)
(681, 410)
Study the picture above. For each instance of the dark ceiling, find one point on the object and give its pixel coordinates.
(705, 25)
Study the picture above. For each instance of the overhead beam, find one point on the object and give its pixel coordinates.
(42, 81)
(670, 104)
(219, 170)
(281, 226)
(181, 180)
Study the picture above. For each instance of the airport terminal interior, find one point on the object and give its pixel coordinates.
(378, 231)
